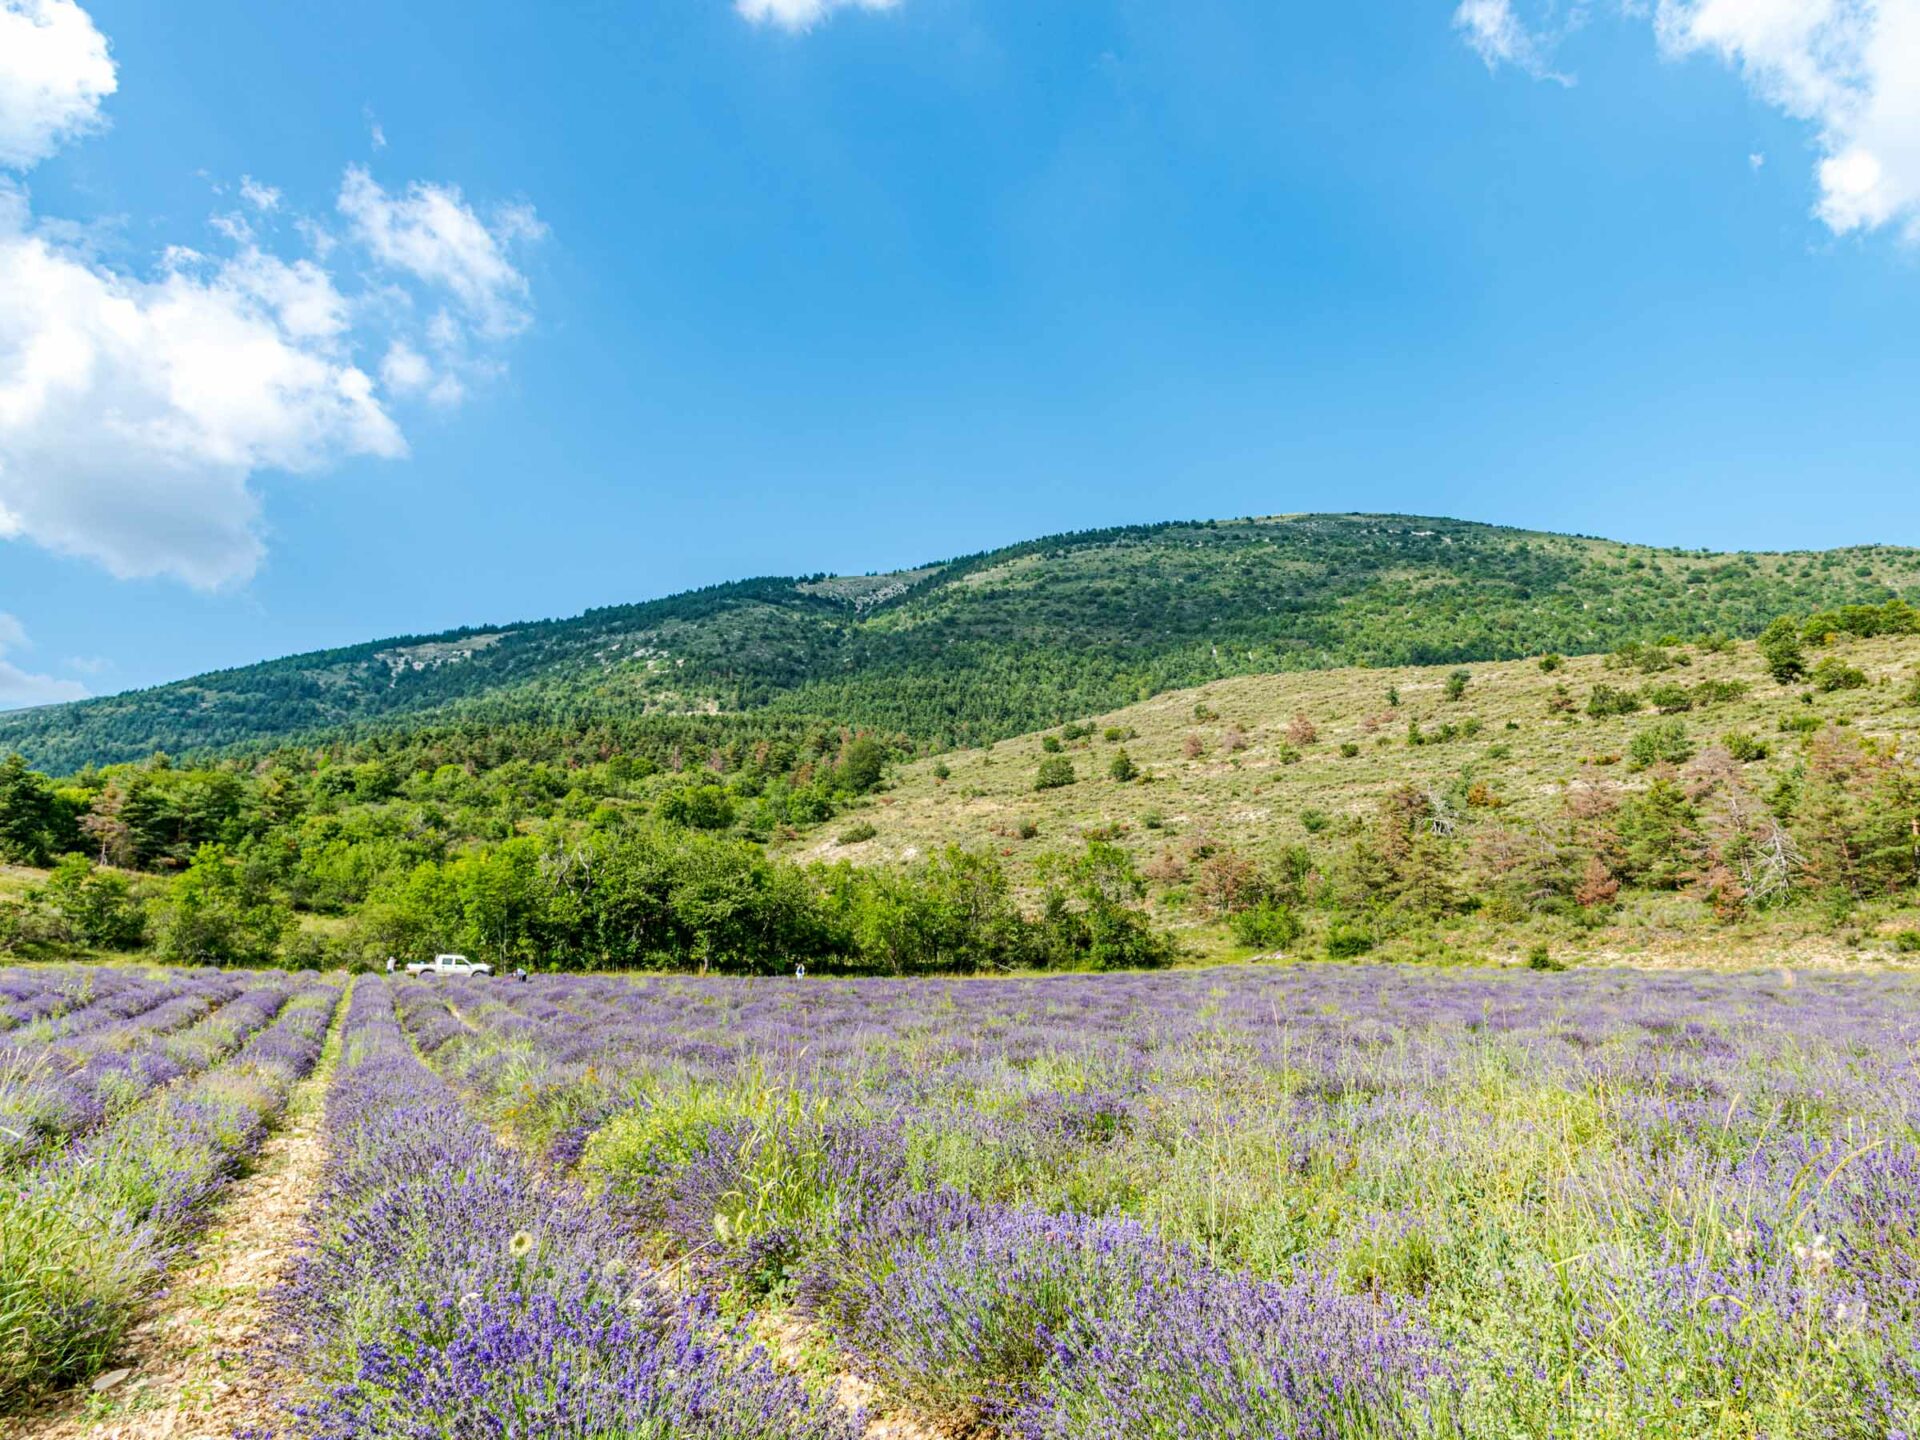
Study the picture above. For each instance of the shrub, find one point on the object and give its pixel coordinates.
(856, 833)
(1314, 820)
(1663, 744)
(940, 771)
(1720, 692)
(1349, 750)
(1744, 746)
(1912, 696)
(1607, 700)
(1269, 925)
(1123, 769)
(1346, 940)
(1457, 683)
(1551, 662)
(1541, 958)
(698, 807)
(1907, 942)
(1055, 771)
(1302, 732)
(1833, 674)
(1669, 699)
(1050, 744)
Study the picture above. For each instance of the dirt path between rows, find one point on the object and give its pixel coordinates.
(187, 1372)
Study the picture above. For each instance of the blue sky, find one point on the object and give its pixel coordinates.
(646, 294)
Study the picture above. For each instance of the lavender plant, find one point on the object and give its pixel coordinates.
(446, 1290)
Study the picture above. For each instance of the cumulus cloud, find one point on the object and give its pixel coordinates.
(134, 412)
(20, 688)
(1850, 69)
(54, 72)
(136, 409)
(802, 14)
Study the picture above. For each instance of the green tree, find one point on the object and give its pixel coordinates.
(1664, 743)
(218, 914)
(1659, 836)
(97, 906)
(1457, 683)
(33, 823)
(1122, 768)
(1781, 649)
(863, 764)
(699, 807)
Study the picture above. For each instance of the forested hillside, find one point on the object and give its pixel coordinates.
(1712, 797)
(995, 644)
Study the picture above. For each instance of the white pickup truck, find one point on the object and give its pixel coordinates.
(449, 965)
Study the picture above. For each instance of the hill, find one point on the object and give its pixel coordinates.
(1310, 763)
(1000, 643)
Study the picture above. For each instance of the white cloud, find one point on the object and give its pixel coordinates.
(19, 687)
(802, 14)
(133, 413)
(54, 72)
(136, 410)
(1851, 68)
(261, 197)
(1498, 37)
(430, 232)
(1848, 68)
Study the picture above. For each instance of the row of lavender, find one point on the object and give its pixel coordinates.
(88, 1232)
(1314, 1202)
(445, 1289)
(97, 1060)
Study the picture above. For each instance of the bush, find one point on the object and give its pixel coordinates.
(1457, 683)
(1541, 958)
(1122, 768)
(1055, 771)
(1744, 746)
(1268, 925)
(1349, 750)
(1607, 700)
(1663, 744)
(698, 807)
(1551, 662)
(1669, 699)
(1346, 941)
(1833, 674)
(856, 833)
(1907, 942)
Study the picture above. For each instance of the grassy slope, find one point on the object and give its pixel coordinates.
(996, 644)
(1253, 801)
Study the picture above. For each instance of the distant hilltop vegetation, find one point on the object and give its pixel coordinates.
(1000, 643)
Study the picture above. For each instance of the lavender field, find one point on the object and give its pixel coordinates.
(1304, 1203)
